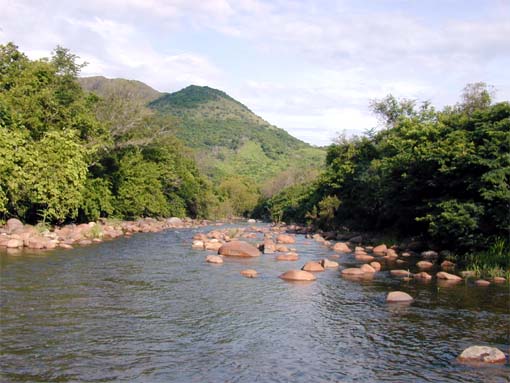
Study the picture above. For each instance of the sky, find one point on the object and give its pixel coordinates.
(309, 67)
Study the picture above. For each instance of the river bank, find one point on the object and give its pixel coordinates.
(16, 236)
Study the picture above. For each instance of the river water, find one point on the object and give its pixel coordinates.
(149, 309)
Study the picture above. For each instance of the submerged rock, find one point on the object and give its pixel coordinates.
(287, 257)
(214, 259)
(298, 275)
(313, 267)
(352, 271)
(448, 277)
(249, 273)
(398, 296)
(327, 264)
(482, 354)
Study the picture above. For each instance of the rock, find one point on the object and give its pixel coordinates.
(423, 275)
(356, 239)
(499, 280)
(376, 266)
(198, 245)
(298, 275)
(367, 269)
(482, 283)
(313, 267)
(425, 265)
(13, 224)
(285, 239)
(318, 238)
(291, 256)
(282, 249)
(238, 249)
(269, 246)
(341, 247)
(447, 265)
(406, 254)
(400, 273)
(448, 277)
(327, 264)
(214, 259)
(429, 254)
(482, 354)
(352, 271)
(251, 220)
(174, 221)
(381, 249)
(398, 296)
(65, 246)
(14, 243)
(364, 258)
(390, 253)
(249, 273)
(213, 246)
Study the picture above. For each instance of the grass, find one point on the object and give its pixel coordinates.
(494, 262)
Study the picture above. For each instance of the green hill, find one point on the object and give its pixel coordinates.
(230, 139)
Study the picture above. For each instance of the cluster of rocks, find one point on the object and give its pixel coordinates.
(15, 235)
(229, 243)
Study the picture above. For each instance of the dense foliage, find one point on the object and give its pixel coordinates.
(443, 174)
(69, 155)
(230, 140)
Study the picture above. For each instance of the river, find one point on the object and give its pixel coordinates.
(149, 309)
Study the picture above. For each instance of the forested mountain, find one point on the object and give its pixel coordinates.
(130, 89)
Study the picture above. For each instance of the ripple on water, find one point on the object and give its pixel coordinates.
(149, 309)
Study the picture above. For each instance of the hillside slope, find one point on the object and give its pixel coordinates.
(230, 139)
(130, 89)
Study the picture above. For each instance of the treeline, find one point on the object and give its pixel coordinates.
(443, 175)
(69, 155)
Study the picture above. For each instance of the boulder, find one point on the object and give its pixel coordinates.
(429, 254)
(447, 265)
(269, 246)
(398, 296)
(482, 354)
(482, 283)
(251, 220)
(400, 273)
(376, 266)
(13, 225)
(448, 277)
(390, 253)
(238, 249)
(285, 239)
(364, 258)
(287, 257)
(318, 238)
(213, 246)
(423, 275)
(249, 273)
(14, 243)
(298, 275)
(174, 221)
(425, 265)
(352, 271)
(341, 247)
(214, 259)
(313, 267)
(381, 249)
(367, 269)
(499, 280)
(327, 264)
(197, 244)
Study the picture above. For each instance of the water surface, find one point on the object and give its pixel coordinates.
(149, 309)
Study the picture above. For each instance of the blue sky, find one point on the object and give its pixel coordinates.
(310, 67)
